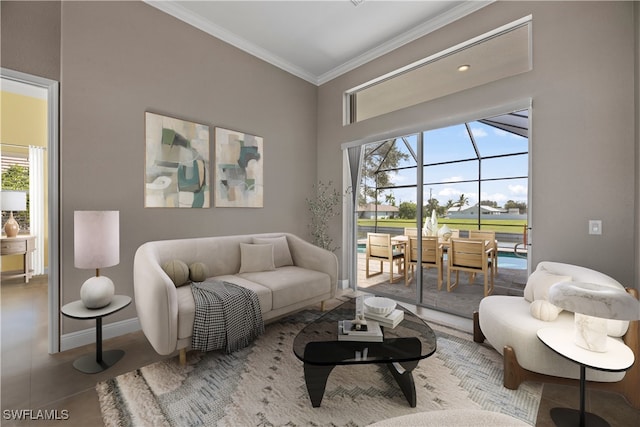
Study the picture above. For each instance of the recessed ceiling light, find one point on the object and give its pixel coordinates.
(464, 67)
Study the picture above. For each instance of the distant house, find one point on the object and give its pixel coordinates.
(370, 210)
(485, 211)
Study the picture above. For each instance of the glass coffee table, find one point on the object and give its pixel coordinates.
(402, 348)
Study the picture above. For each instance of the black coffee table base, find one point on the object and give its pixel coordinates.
(402, 372)
(316, 377)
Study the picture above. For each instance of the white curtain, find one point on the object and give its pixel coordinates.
(37, 205)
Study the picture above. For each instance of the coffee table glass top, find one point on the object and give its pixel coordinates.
(318, 343)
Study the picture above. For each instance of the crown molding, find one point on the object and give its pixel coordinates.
(173, 8)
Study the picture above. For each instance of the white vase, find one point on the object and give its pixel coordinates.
(444, 232)
(434, 223)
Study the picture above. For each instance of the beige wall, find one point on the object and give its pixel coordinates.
(120, 59)
(117, 60)
(30, 37)
(637, 173)
(582, 132)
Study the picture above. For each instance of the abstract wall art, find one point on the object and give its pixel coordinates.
(239, 160)
(176, 164)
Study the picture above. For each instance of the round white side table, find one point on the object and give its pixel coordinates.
(91, 364)
(618, 357)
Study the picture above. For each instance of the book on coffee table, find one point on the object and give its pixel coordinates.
(391, 320)
(347, 332)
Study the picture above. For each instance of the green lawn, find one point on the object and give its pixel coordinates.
(508, 226)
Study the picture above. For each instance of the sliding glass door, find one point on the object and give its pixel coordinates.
(470, 176)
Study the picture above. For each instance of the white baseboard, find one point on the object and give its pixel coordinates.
(343, 284)
(88, 336)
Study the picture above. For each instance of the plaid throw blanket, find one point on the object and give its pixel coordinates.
(227, 316)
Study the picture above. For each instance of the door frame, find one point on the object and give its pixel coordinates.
(52, 87)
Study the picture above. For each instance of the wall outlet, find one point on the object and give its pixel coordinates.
(595, 226)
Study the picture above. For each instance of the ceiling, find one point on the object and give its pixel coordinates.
(318, 40)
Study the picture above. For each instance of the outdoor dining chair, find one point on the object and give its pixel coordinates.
(489, 236)
(431, 256)
(381, 248)
(471, 256)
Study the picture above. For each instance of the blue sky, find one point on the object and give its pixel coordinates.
(453, 143)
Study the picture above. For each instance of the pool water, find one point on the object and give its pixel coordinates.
(505, 259)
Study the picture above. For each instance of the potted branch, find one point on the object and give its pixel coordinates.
(325, 205)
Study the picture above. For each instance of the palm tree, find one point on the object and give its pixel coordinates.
(462, 201)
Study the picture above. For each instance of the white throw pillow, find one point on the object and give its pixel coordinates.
(281, 253)
(539, 283)
(544, 310)
(255, 258)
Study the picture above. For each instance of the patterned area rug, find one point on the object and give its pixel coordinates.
(263, 385)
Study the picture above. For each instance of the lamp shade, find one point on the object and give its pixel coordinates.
(13, 200)
(592, 305)
(595, 300)
(96, 239)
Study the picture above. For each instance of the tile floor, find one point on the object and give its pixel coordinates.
(33, 379)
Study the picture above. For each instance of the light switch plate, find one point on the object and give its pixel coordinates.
(595, 226)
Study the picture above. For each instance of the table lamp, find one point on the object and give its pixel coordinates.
(13, 201)
(96, 245)
(593, 305)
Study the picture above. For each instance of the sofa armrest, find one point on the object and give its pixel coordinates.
(156, 300)
(312, 257)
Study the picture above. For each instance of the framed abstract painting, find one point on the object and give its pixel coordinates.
(239, 160)
(176, 163)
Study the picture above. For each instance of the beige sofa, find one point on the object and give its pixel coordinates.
(510, 325)
(283, 285)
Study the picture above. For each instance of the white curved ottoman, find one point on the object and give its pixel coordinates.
(452, 417)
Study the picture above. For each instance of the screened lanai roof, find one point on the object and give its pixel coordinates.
(516, 122)
(447, 146)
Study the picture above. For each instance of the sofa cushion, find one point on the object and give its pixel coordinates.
(178, 271)
(256, 258)
(187, 306)
(281, 253)
(290, 285)
(539, 282)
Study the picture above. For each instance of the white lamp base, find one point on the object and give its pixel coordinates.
(591, 332)
(97, 292)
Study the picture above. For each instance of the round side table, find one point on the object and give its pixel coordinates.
(91, 364)
(617, 358)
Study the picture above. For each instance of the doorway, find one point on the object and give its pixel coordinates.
(23, 88)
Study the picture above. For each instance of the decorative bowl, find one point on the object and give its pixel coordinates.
(379, 305)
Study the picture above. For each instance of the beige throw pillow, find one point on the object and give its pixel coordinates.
(178, 271)
(539, 283)
(198, 272)
(281, 253)
(255, 258)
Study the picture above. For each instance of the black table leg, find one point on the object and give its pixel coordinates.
(402, 373)
(91, 364)
(567, 417)
(315, 376)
